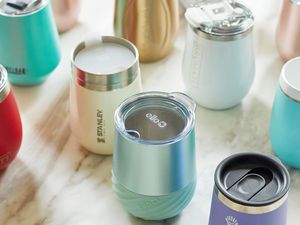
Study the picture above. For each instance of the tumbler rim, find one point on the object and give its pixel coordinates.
(259, 159)
(4, 85)
(287, 86)
(104, 81)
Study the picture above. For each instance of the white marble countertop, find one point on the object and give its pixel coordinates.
(55, 181)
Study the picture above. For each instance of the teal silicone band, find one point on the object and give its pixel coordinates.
(154, 207)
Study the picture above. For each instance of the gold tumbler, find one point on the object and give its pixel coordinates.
(150, 24)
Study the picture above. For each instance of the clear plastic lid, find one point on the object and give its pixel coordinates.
(20, 7)
(220, 18)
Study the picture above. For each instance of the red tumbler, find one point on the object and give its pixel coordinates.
(10, 123)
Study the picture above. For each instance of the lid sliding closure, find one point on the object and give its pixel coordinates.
(252, 179)
(220, 18)
(20, 7)
(251, 183)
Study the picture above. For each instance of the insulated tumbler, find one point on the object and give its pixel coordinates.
(150, 25)
(105, 71)
(288, 30)
(285, 118)
(250, 189)
(29, 48)
(154, 163)
(218, 65)
(10, 122)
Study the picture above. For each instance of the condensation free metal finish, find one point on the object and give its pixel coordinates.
(149, 165)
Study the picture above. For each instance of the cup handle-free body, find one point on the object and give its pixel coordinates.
(10, 130)
(285, 129)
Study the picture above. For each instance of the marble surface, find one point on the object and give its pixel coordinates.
(55, 181)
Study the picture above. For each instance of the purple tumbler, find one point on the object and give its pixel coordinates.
(250, 189)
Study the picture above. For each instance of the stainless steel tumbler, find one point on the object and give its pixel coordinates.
(154, 164)
(250, 189)
(218, 64)
(288, 30)
(151, 25)
(29, 48)
(105, 71)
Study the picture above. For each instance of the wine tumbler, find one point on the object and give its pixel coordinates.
(218, 65)
(285, 118)
(288, 30)
(65, 13)
(154, 163)
(250, 189)
(10, 122)
(29, 47)
(150, 25)
(105, 71)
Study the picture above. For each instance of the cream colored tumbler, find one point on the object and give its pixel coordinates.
(105, 71)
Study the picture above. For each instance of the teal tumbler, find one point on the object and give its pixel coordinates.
(29, 43)
(154, 162)
(285, 119)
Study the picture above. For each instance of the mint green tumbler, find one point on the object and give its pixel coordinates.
(29, 44)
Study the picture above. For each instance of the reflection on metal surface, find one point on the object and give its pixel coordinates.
(150, 25)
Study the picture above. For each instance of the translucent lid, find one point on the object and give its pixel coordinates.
(156, 118)
(220, 18)
(20, 7)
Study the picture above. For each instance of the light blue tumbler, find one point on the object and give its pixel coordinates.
(285, 119)
(29, 44)
(154, 162)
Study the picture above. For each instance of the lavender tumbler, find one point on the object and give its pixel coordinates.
(251, 189)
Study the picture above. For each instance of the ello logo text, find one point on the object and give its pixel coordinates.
(154, 118)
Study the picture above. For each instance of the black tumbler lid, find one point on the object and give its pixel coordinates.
(252, 179)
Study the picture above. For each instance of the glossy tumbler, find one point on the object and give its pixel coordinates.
(288, 30)
(154, 162)
(10, 122)
(150, 25)
(218, 65)
(29, 48)
(285, 118)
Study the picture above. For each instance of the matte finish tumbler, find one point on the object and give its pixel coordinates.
(65, 13)
(218, 65)
(29, 47)
(154, 162)
(285, 118)
(10, 123)
(150, 25)
(288, 30)
(250, 189)
(105, 71)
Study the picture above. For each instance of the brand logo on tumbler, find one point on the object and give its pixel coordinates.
(154, 118)
(231, 220)
(100, 127)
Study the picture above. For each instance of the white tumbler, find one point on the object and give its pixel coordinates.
(105, 71)
(219, 64)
